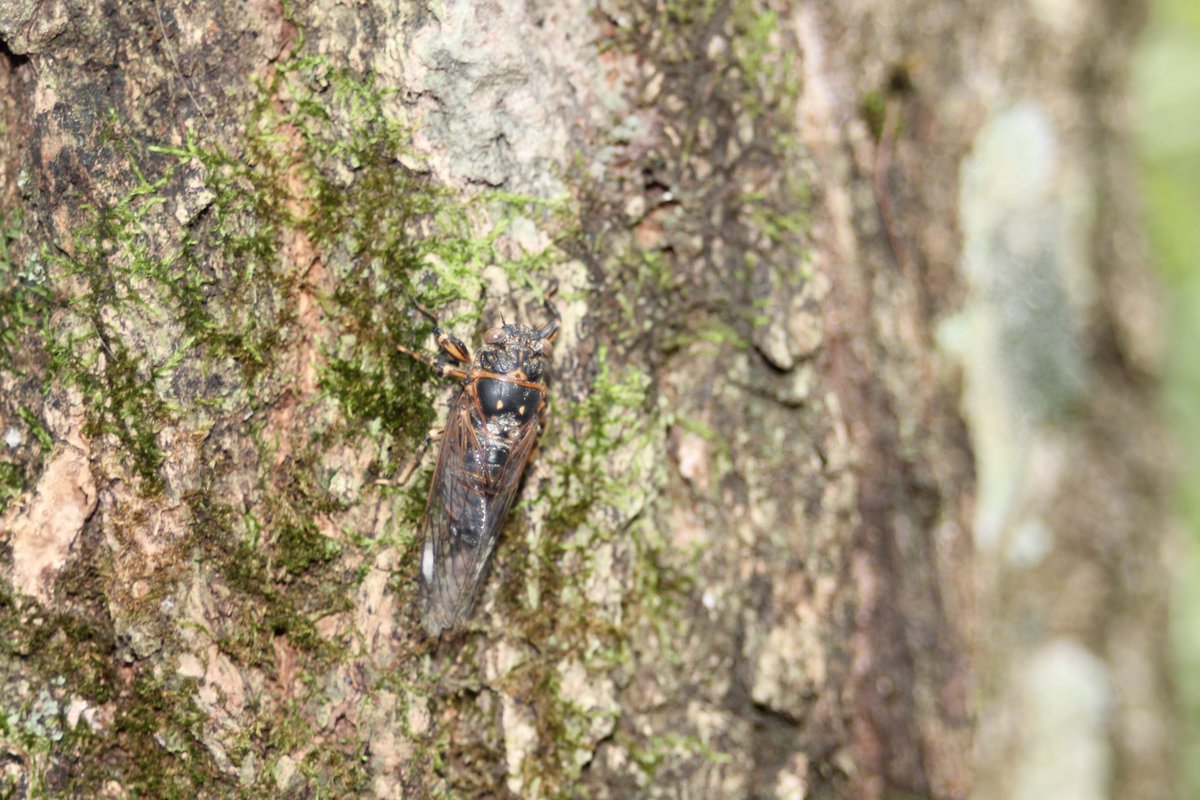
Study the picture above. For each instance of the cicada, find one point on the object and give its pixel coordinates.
(493, 425)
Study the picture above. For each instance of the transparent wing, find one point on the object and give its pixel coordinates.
(474, 484)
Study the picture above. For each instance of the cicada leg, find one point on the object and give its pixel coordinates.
(450, 345)
(439, 365)
(451, 348)
(415, 461)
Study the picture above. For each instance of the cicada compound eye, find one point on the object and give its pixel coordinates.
(494, 336)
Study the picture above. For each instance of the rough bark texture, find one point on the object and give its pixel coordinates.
(849, 486)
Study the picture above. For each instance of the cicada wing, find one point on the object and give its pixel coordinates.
(454, 551)
(471, 493)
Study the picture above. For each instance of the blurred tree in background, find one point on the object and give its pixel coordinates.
(1168, 94)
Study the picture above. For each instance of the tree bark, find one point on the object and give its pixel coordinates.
(850, 484)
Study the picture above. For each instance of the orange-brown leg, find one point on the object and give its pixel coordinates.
(415, 461)
(436, 364)
(449, 344)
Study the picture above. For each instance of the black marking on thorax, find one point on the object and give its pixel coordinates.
(500, 398)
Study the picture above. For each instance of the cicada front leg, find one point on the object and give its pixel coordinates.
(452, 349)
(450, 346)
(441, 365)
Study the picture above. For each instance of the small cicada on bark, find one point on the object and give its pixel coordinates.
(489, 436)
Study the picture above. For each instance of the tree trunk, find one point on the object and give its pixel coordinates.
(848, 486)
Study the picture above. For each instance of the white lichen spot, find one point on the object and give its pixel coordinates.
(248, 770)
(1017, 335)
(790, 664)
(386, 787)
(791, 782)
(502, 659)
(805, 322)
(13, 437)
(1066, 19)
(223, 685)
(1030, 542)
(635, 207)
(800, 385)
(195, 196)
(604, 587)
(418, 719)
(1066, 699)
(491, 122)
(190, 666)
(773, 342)
(285, 773)
(692, 453)
(594, 701)
(520, 740)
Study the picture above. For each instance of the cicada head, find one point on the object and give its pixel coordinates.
(518, 350)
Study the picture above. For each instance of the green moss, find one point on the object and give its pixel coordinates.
(874, 105)
(23, 297)
(615, 415)
(301, 546)
(24, 307)
(654, 752)
(86, 348)
(120, 397)
(12, 482)
(151, 745)
(279, 587)
(165, 727)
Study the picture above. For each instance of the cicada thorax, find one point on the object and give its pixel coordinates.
(501, 413)
(507, 403)
(505, 396)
